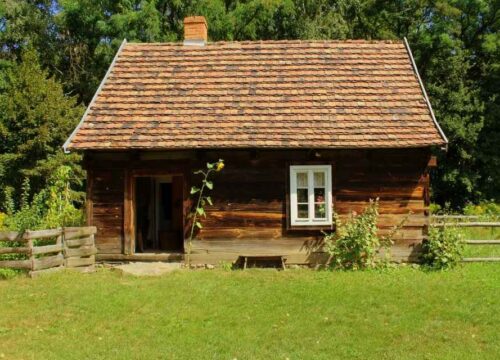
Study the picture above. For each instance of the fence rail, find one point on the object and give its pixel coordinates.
(43, 251)
(461, 221)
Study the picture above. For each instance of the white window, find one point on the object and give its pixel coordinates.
(311, 195)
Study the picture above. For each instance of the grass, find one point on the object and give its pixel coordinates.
(254, 314)
(481, 234)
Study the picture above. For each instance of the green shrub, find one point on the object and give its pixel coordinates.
(486, 208)
(57, 205)
(444, 247)
(7, 273)
(355, 244)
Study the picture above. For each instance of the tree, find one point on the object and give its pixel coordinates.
(456, 44)
(35, 120)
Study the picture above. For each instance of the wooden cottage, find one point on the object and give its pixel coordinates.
(305, 128)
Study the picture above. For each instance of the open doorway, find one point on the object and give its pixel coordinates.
(158, 210)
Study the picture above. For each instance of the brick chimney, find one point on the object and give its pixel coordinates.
(195, 30)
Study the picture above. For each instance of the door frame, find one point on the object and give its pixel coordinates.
(129, 216)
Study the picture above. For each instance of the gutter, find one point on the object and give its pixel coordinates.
(70, 138)
(425, 93)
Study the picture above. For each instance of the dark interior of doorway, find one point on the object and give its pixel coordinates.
(158, 214)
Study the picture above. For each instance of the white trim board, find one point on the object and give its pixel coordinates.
(68, 141)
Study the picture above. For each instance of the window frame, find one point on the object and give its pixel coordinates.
(310, 222)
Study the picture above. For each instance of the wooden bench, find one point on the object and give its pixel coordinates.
(264, 257)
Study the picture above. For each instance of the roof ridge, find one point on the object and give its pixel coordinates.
(291, 41)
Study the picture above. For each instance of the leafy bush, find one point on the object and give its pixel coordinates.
(486, 209)
(55, 206)
(355, 244)
(444, 247)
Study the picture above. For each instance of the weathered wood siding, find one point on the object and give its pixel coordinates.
(106, 197)
(250, 197)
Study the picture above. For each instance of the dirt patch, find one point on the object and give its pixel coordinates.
(148, 268)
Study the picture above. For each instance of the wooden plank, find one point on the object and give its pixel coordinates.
(31, 255)
(11, 236)
(278, 246)
(48, 262)
(16, 264)
(468, 224)
(84, 241)
(108, 249)
(482, 242)
(89, 202)
(385, 207)
(140, 257)
(78, 232)
(241, 233)
(42, 234)
(14, 250)
(482, 259)
(47, 249)
(78, 261)
(37, 273)
(444, 217)
(382, 192)
(83, 251)
(128, 214)
(292, 259)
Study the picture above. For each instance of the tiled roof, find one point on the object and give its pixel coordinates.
(272, 94)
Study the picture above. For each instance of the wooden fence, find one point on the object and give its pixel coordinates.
(44, 251)
(465, 221)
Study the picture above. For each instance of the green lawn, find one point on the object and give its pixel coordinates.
(254, 314)
(481, 234)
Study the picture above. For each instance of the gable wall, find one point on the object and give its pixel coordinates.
(250, 200)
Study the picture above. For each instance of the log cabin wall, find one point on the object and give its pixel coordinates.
(250, 195)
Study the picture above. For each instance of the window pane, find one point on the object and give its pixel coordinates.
(319, 195)
(303, 211)
(319, 211)
(302, 179)
(302, 195)
(319, 179)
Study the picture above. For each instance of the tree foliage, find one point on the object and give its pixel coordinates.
(35, 119)
(456, 44)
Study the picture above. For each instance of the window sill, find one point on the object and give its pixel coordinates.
(330, 227)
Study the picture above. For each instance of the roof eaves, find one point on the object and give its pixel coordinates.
(414, 65)
(70, 138)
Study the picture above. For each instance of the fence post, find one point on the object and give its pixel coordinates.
(60, 241)
(27, 236)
